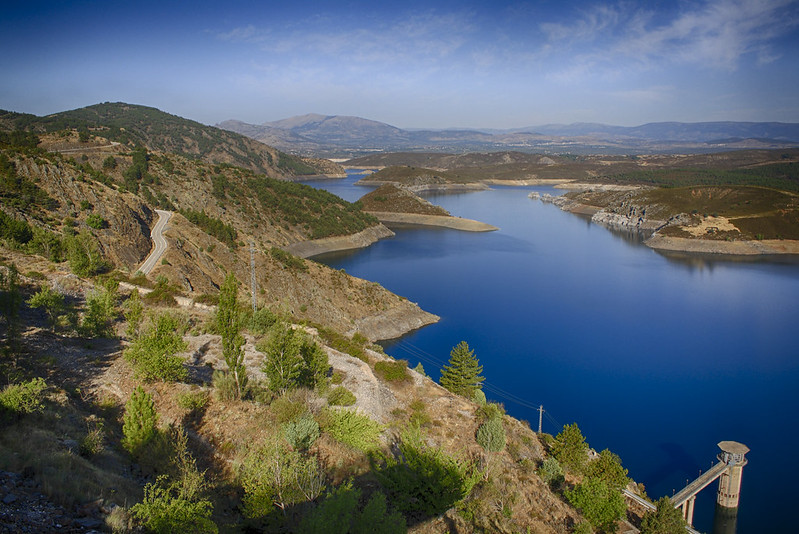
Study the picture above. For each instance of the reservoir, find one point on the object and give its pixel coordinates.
(655, 358)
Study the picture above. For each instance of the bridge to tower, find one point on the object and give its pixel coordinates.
(728, 471)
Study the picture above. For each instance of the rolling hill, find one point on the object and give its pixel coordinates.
(347, 136)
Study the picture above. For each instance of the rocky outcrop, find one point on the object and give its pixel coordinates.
(393, 322)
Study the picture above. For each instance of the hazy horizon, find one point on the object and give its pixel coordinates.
(476, 65)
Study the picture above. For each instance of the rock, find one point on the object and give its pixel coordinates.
(8, 499)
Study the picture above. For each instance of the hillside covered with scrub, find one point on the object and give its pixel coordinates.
(177, 402)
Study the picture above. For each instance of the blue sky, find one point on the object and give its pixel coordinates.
(410, 64)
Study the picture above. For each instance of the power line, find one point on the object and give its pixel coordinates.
(425, 356)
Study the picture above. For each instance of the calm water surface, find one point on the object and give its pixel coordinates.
(655, 358)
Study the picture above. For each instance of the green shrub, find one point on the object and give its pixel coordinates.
(23, 398)
(301, 433)
(338, 514)
(163, 293)
(479, 397)
(165, 509)
(353, 429)
(134, 314)
(490, 411)
(420, 369)
(491, 435)
(274, 476)
(139, 424)
(600, 504)
(153, 352)
(393, 371)
(423, 481)
(93, 220)
(92, 443)
(193, 401)
(288, 260)
(100, 314)
(53, 304)
(261, 321)
(287, 408)
(341, 396)
(225, 387)
(550, 470)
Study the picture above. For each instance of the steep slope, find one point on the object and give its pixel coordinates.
(219, 209)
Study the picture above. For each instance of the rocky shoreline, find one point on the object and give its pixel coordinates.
(442, 221)
(635, 219)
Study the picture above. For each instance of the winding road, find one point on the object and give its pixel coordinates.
(159, 242)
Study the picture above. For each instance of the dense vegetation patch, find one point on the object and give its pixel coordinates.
(318, 212)
(18, 192)
(784, 176)
(212, 226)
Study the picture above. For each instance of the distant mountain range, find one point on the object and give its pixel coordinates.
(345, 136)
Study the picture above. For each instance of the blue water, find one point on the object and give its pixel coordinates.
(656, 359)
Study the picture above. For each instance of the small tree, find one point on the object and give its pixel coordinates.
(601, 505)
(282, 363)
(550, 470)
(139, 424)
(153, 354)
(100, 312)
(134, 314)
(570, 448)
(52, 302)
(109, 163)
(462, 375)
(292, 358)
(228, 322)
(609, 469)
(666, 519)
(176, 503)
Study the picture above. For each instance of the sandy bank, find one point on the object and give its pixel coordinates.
(362, 239)
(734, 248)
(455, 223)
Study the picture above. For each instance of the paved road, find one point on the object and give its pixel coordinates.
(159, 242)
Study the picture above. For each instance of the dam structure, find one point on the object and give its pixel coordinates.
(728, 471)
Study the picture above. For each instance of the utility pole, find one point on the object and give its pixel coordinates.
(252, 276)
(540, 417)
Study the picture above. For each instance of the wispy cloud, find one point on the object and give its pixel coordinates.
(414, 37)
(718, 33)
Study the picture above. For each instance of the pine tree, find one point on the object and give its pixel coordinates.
(462, 375)
(229, 324)
(139, 422)
(666, 519)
